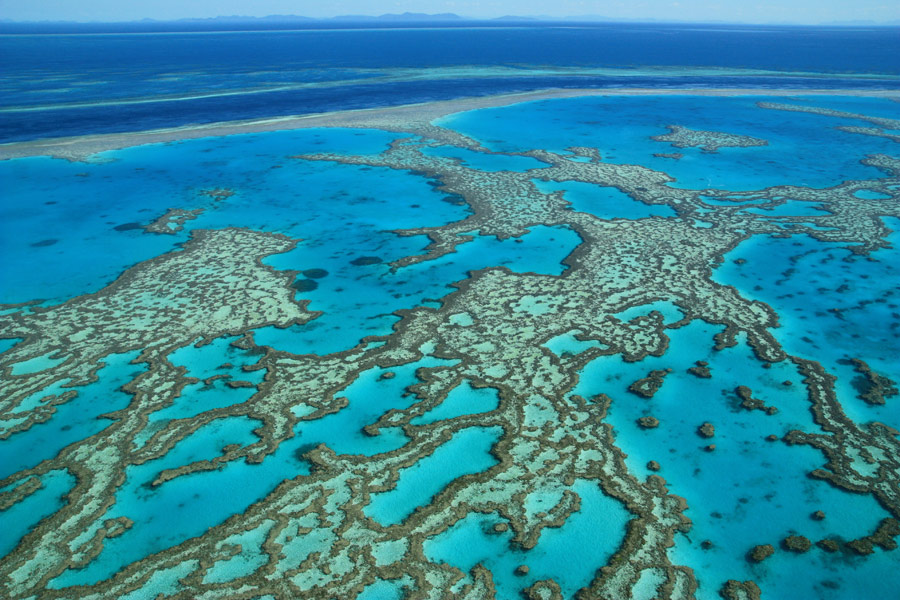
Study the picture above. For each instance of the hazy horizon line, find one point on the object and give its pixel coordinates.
(408, 17)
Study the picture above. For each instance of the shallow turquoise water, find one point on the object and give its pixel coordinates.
(596, 530)
(803, 280)
(746, 492)
(38, 364)
(21, 518)
(385, 590)
(188, 505)
(467, 451)
(849, 104)
(183, 507)
(164, 581)
(484, 162)
(274, 193)
(6, 344)
(870, 195)
(568, 344)
(462, 400)
(248, 560)
(212, 358)
(73, 420)
(671, 313)
(603, 202)
(358, 300)
(791, 209)
(728, 200)
(369, 396)
(216, 359)
(621, 130)
(339, 218)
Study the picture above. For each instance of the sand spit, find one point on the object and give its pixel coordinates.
(394, 118)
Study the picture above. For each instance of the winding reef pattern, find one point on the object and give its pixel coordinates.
(709, 141)
(319, 534)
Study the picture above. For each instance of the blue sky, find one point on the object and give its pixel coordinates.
(755, 11)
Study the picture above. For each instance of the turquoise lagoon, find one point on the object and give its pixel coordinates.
(747, 492)
(833, 307)
(621, 131)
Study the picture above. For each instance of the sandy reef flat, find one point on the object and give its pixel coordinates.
(395, 118)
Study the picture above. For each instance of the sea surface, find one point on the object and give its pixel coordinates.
(76, 84)
(69, 229)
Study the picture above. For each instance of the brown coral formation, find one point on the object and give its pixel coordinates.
(709, 141)
(218, 286)
(882, 537)
(740, 590)
(860, 457)
(648, 422)
(751, 403)
(173, 221)
(546, 589)
(797, 543)
(649, 385)
(761, 552)
(700, 369)
(218, 193)
(873, 388)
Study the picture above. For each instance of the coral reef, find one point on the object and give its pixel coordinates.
(873, 388)
(548, 438)
(797, 543)
(173, 221)
(708, 141)
(700, 369)
(761, 553)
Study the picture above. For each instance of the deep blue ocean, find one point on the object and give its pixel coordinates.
(73, 84)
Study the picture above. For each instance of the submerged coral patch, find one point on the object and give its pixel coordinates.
(502, 437)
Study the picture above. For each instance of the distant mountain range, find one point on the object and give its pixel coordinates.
(391, 18)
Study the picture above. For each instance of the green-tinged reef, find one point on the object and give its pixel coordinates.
(474, 416)
(173, 221)
(708, 141)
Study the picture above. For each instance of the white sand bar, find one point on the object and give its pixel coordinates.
(394, 118)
